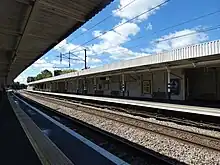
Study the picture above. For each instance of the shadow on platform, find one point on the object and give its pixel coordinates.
(15, 148)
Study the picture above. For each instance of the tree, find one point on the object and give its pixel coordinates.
(68, 71)
(44, 74)
(30, 79)
(17, 85)
(59, 72)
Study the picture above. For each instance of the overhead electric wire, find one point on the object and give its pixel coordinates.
(147, 11)
(171, 38)
(164, 29)
(78, 58)
(103, 20)
(167, 28)
(191, 20)
(199, 31)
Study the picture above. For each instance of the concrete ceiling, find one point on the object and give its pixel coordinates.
(30, 28)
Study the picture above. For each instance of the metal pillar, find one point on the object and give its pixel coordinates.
(168, 84)
(77, 85)
(95, 85)
(57, 87)
(85, 83)
(84, 88)
(66, 85)
(5, 83)
(183, 85)
(123, 84)
(85, 59)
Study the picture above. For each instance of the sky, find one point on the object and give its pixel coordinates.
(131, 29)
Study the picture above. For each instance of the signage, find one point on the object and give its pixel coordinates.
(174, 86)
(146, 87)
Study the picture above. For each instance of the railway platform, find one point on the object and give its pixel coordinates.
(39, 139)
(197, 110)
(15, 146)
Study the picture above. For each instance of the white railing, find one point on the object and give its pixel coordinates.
(192, 51)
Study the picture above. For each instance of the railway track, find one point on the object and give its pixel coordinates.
(157, 115)
(140, 111)
(175, 133)
(130, 152)
(200, 141)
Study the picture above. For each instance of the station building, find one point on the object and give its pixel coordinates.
(188, 73)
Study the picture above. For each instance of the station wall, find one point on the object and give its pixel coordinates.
(179, 76)
(143, 85)
(133, 85)
(203, 84)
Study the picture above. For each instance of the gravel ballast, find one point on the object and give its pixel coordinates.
(181, 151)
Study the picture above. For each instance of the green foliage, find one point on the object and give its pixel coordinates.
(30, 79)
(59, 72)
(46, 74)
(68, 71)
(17, 85)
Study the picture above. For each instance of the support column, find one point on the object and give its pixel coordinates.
(85, 89)
(4, 85)
(77, 85)
(183, 87)
(168, 84)
(46, 86)
(95, 85)
(51, 87)
(65, 85)
(123, 84)
(57, 86)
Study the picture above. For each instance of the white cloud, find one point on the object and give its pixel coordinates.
(94, 60)
(42, 64)
(122, 53)
(96, 33)
(136, 8)
(149, 26)
(57, 62)
(37, 67)
(77, 50)
(65, 47)
(39, 63)
(21, 79)
(120, 34)
(93, 66)
(112, 40)
(83, 29)
(165, 43)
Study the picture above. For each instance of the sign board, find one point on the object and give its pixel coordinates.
(122, 86)
(175, 86)
(146, 87)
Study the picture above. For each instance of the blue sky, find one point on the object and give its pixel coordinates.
(122, 43)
